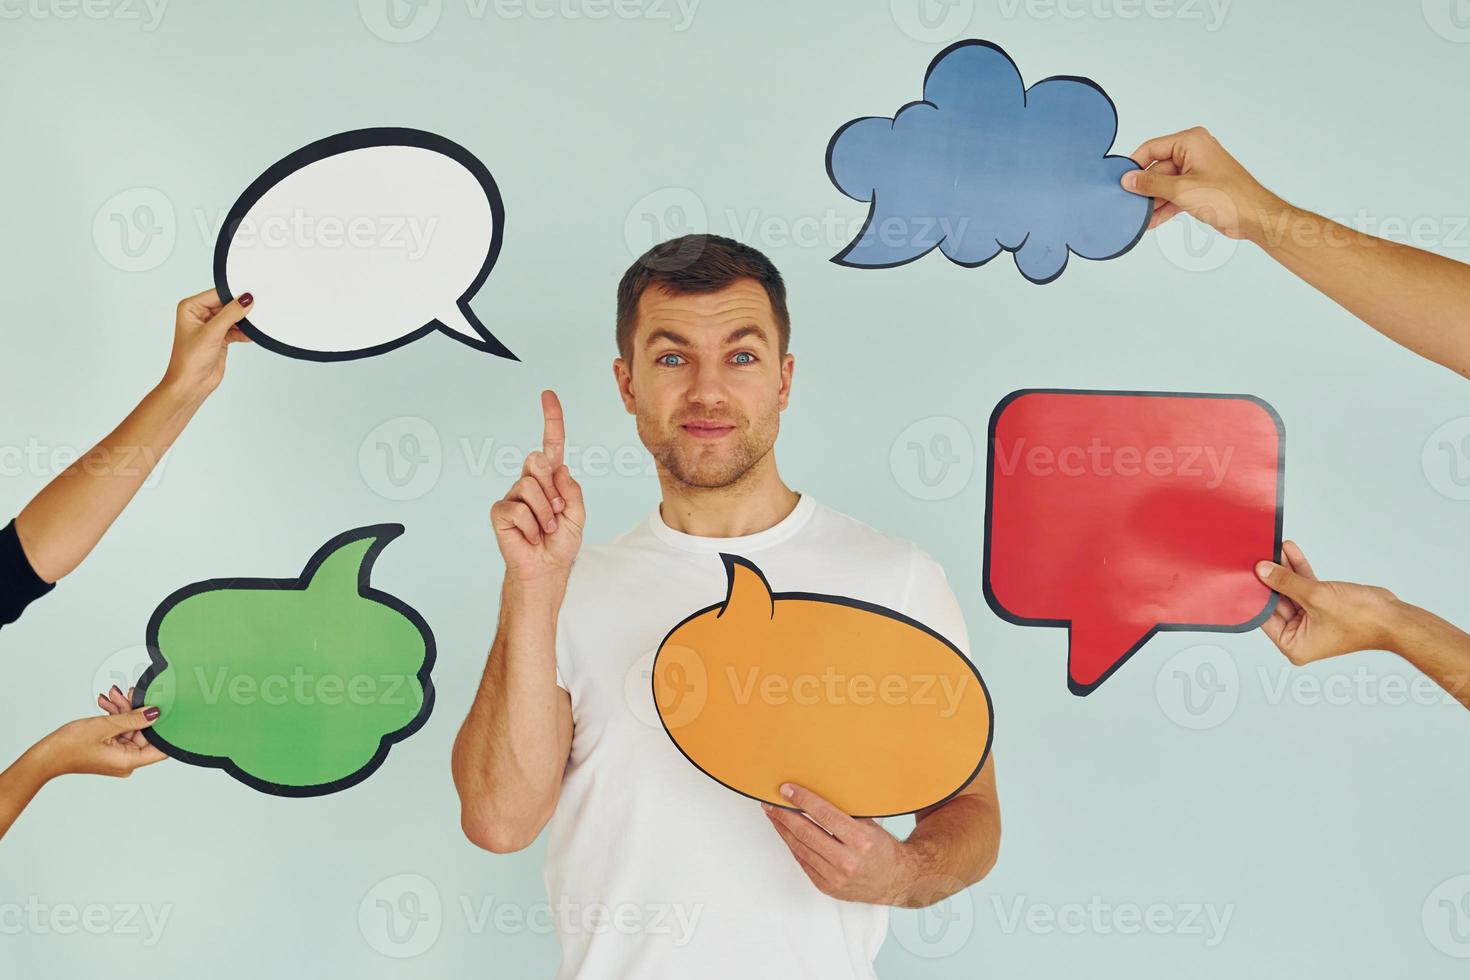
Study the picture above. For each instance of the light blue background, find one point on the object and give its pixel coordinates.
(1329, 827)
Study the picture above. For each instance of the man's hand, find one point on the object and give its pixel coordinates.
(538, 524)
(854, 860)
(1191, 172)
(1314, 620)
(204, 329)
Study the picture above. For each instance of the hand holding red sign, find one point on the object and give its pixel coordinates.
(1119, 514)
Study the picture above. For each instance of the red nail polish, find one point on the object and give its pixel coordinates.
(246, 299)
(150, 713)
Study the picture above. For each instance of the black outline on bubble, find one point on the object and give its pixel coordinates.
(1082, 690)
(361, 139)
(384, 533)
(872, 200)
(730, 561)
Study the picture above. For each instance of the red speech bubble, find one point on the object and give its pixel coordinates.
(1121, 513)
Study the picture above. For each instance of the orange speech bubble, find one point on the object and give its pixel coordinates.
(868, 708)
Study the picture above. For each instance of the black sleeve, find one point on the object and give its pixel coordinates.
(19, 583)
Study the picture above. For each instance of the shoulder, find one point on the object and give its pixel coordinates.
(866, 542)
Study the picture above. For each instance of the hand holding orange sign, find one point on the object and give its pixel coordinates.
(872, 710)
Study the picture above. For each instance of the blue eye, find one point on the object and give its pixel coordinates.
(665, 358)
(746, 354)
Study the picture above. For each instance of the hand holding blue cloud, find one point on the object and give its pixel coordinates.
(984, 164)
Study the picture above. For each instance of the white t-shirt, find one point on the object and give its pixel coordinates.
(653, 869)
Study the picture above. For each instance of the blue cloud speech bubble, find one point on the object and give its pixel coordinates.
(984, 164)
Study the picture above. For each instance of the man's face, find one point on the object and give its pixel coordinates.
(706, 381)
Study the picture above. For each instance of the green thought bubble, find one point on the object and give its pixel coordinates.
(296, 687)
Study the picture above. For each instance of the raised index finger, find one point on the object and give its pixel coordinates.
(554, 436)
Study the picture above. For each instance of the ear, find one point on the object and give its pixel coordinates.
(624, 379)
(788, 365)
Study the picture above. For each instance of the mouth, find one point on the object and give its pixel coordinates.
(707, 428)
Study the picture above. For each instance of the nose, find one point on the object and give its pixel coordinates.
(707, 387)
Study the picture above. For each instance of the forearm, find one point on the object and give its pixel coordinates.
(1415, 298)
(511, 751)
(951, 848)
(19, 785)
(64, 522)
(1437, 647)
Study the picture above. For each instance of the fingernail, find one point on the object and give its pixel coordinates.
(551, 524)
(1130, 179)
(115, 688)
(766, 806)
(786, 790)
(557, 503)
(1263, 569)
(246, 299)
(150, 713)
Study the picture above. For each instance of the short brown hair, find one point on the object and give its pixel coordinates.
(697, 264)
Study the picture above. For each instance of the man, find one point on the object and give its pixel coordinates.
(690, 878)
(1370, 277)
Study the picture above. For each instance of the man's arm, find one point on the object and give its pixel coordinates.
(1415, 298)
(1314, 620)
(511, 751)
(64, 522)
(953, 845)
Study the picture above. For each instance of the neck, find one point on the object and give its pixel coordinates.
(756, 501)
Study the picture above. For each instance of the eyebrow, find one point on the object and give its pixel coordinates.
(664, 333)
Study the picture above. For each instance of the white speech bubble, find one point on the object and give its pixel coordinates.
(363, 242)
